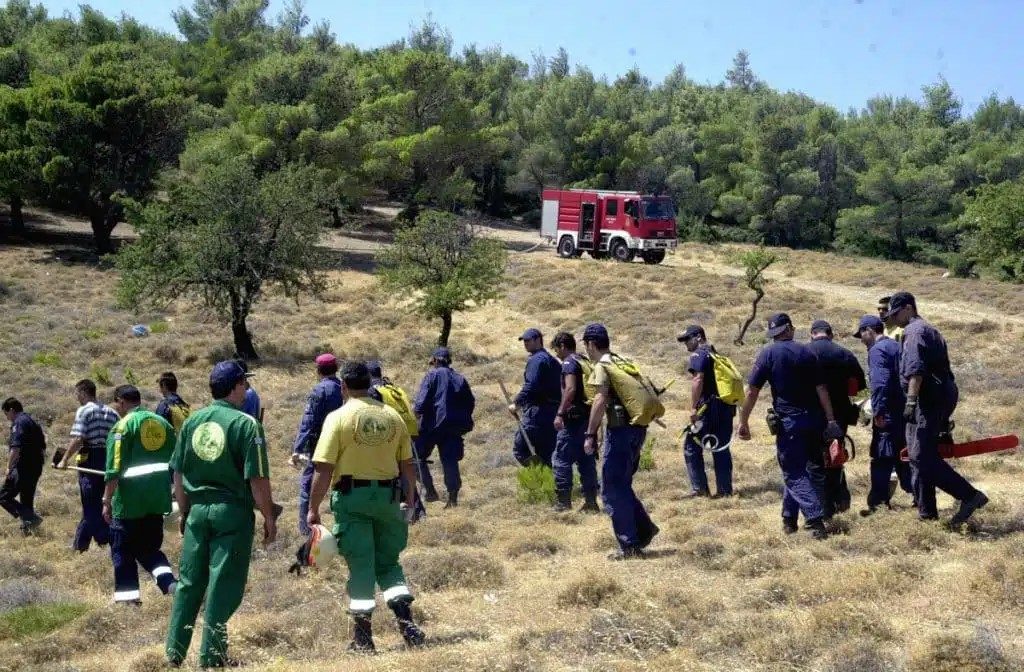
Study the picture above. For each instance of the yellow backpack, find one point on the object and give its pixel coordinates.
(396, 398)
(179, 413)
(587, 368)
(635, 392)
(728, 379)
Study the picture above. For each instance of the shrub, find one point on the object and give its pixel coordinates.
(531, 543)
(590, 590)
(950, 652)
(48, 359)
(647, 455)
(536, 484)
(437, 570)
(159, 327)
(38, 619)
(92, 334)
(101, 374)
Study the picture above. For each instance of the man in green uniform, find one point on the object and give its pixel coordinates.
(363, 447)
(220, 471)
(137, 495)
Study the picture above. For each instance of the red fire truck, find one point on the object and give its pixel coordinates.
(619, 224)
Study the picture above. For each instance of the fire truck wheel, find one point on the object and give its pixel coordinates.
(566, 248)
(654, 257)
(621, 252)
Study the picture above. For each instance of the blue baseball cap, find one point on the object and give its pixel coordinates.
(376, 370)
(821, 326)
(594, 331)
(228, 373)
(443, 353)
(531, 334)
(777, 324)
(872, 322)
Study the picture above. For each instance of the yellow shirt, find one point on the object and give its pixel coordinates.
(363, 439)
(895, 333)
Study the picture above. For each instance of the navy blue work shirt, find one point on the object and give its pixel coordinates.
(887, 398)
(323, 399)
(28, 438)
(542, 381)
(701, 362)
(925, 354)
(794, 374)
(444, 403)
(843, 375)
(163, 409)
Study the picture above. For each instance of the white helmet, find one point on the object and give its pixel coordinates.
(323, 547)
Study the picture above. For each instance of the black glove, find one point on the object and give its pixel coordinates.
(833, 432)
(910, 409)
(58, 455)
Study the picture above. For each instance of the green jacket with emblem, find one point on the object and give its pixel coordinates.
(139, 448)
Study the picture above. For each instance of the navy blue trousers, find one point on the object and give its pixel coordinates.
(622, 446)
(717, 423)
(305, 485)
(930, 470)
(886, 445)
(568, 452)
(539, 424)
(450, 448)
(133, 542)
(92, 527)
(802, 492)
(18, 493)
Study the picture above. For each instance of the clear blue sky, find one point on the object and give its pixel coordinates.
(838, 51)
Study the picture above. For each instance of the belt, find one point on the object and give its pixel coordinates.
(347, 482)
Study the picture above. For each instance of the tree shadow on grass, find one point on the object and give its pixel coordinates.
(62, 244)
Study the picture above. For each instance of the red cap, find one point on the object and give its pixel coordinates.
(326, 359)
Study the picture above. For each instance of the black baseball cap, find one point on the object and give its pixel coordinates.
(899, 301)
(690, 332)
(777, 324)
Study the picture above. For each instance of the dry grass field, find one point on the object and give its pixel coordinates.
(503, 586)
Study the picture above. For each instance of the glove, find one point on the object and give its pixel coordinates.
(58, 455)
(910, 409)
(833, 432)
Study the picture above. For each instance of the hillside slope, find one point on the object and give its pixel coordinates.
(507, 586)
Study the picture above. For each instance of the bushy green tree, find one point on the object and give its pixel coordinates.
(222, 237)
(444, 265)
(994, 226)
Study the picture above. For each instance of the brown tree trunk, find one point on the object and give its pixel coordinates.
(243, 340)
(17, 216)
(446, 330)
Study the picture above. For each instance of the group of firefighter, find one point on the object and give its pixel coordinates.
(365, 443)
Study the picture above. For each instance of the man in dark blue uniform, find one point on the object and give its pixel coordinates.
(623, 443)
(26, 447)
(932, 395)
(324, 398)
(172, 407)
(571, 424)
(444, 406)
(799, 396)
(712, 415)
(888, 433)
(538, 400)
(844, 378)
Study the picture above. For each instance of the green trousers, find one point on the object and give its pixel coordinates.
(215, 565)
(371, 533)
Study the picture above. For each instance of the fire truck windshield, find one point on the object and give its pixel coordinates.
(658, 209)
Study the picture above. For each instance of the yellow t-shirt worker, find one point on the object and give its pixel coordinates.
(363, 448)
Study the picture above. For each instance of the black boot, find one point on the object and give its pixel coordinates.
(563, 501)
(411, 632)
(431, 494)
(453, 500)
(590, 505)
(817, 529)
(789, 525)
(362, 638)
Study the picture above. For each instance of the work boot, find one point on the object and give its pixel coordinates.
(967, 508)
(693, 494)
(563, 501)
(644, 540)
(411, 632)
(864, 513)
(628, 553)
(362, 637)
(789, 525)
(590, 505)
(431, 494)
(817, 529)
(453, 500)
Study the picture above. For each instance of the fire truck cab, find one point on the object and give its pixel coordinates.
(619, 224)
